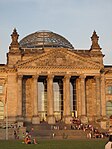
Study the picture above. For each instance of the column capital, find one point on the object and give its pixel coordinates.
(20, 77)
(97, 77)
(50, 76)
(35, 76)
(82, 76)
(67, 76)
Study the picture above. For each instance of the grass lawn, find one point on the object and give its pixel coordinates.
(55, 144)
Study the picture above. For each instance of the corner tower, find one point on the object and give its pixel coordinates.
(14, 54)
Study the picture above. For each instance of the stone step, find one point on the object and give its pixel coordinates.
(60, 133)
(45, 134)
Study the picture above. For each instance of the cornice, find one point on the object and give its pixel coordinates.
(57, 67)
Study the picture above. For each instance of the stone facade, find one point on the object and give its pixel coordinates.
(53, 83)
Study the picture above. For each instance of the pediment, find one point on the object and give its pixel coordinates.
(58, 58)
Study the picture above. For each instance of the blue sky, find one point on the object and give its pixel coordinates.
(74, 19)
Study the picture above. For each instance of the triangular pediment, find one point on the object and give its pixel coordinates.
(59, 58)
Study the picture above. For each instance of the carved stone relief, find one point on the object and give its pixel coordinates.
(58, 58)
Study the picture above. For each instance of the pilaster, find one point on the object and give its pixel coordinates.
(98, 97)
(19, 101)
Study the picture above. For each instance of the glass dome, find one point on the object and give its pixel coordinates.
(43, 39)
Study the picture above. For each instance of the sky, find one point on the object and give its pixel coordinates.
(73, 19)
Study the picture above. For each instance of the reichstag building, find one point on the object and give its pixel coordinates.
(46, 79)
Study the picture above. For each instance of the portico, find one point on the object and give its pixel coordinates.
(55, 98)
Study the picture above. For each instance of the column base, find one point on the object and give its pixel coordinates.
(20, 121)
(84, 119)
(98, 118)
(51, 119)
(104, 122)
(19, 124)
(67, 119)
(35, 120)
(91, 118)
(11, 119)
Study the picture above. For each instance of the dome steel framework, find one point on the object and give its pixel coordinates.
(44, 39)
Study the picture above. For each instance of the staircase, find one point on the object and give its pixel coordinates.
(44, 130)
(57, 131)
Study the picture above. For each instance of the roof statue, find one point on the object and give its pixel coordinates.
(14, 37)
(95, 39)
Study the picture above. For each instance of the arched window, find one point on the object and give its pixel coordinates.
(1, 110)
(1, 89)
(109, 89)
(109, 108)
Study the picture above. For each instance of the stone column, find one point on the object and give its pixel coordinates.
(103, 98)
(35, 118)
(98, 97)
(78, 86)
(66, 99)
(103, 103)
(19, 101)
(50, 100)
(83, 99)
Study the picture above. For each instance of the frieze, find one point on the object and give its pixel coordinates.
(73, 73)
(43, 73)
(59, 73)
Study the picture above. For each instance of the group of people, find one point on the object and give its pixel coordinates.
(92, 132)
(29, 140)
(27, 137)
(109, 143)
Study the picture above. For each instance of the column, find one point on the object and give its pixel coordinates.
(50, 100)
(83, 99)
(78, 86)
(98, 97)
(66, 99)
(103, 98)
(35, 118)
(103, 103)
(19, 102)
(83, 95)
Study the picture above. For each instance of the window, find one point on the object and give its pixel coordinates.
(109, 90)
(1, 89)
(1, 110)
(58, 97)
(73, 98)
(109, 108)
